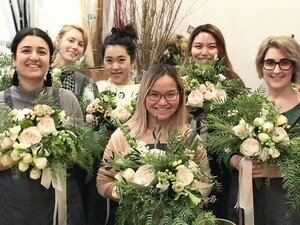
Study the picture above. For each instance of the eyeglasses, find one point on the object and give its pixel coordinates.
(154, 96)
(284, 64)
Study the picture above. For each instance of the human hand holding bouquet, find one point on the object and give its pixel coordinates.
(167, 184)
(251, 126)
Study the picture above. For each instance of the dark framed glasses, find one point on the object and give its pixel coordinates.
(284, 64)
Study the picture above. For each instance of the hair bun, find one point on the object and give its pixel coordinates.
(125, 31)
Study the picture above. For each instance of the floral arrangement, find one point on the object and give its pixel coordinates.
(105, 106)
(166, 186)
(6, 73)
(206, 87)
(253, 127)
(41, 138)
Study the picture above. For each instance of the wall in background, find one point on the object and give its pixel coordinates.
(244, 23)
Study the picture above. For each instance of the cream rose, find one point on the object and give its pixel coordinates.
(268, 127)
(144, 176)
(128, 174)
(195, 99)
(40, 163)
(263, 137)
(43, 110)
(178, 187)
(280, 135)
(250, 148)
(6, 160)
(30, 136)
(6, 143)
(274, 153)
(46, 126)
(281, 120)
(121, 114)
(240, 130)
(259, 121)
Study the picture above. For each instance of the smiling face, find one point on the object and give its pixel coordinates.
(162, 109)
(71, 46)
(32, 59)
(277, 79)
(204, 47)
(117, 64)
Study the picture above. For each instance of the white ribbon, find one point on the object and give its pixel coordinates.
(60, 187)
(245, 195)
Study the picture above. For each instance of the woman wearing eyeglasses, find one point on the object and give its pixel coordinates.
(161, 101)
(278, 63)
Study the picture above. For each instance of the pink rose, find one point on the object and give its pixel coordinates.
(121, 114)
(195, 99)
(6, 143)
(250, 148)
(46, 126)
(30, 136)
(90, 118)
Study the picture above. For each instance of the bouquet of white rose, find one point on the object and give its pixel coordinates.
(105, 106)
(206, 87)
(39, 140)
(253, 127)
(158, 186)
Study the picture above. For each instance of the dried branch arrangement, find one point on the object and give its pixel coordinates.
(154, 21)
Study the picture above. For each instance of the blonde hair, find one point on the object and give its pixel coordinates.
(288, 47)
(69, 27)
(139, 121)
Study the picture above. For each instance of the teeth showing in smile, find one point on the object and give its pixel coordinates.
(162, 109)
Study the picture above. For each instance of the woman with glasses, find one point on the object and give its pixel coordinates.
(161, 102)
(278, 63)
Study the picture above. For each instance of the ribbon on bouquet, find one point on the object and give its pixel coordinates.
(245, 195)
(60, 187)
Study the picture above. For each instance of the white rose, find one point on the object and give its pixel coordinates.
(281, 120)
(121, 114)
(35, 173)
(184, 175)
(250, 147)
(40, 163)
(221, 96)
(6, 143)
(27, 158)
(144, 176)
(280, 135)
(259, 121)
(240, 130)
(30, 136)
(274, 153)
(263, 156)
(23, 166)
(202, 88)
(195, 99)
(263, 137)
(268, 127)
(46, 126)
(209, 95)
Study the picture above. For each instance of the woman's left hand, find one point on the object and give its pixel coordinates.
(259, 172)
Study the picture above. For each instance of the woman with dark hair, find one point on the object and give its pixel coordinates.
(205, 44)
(24, 200)
(119, 53)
